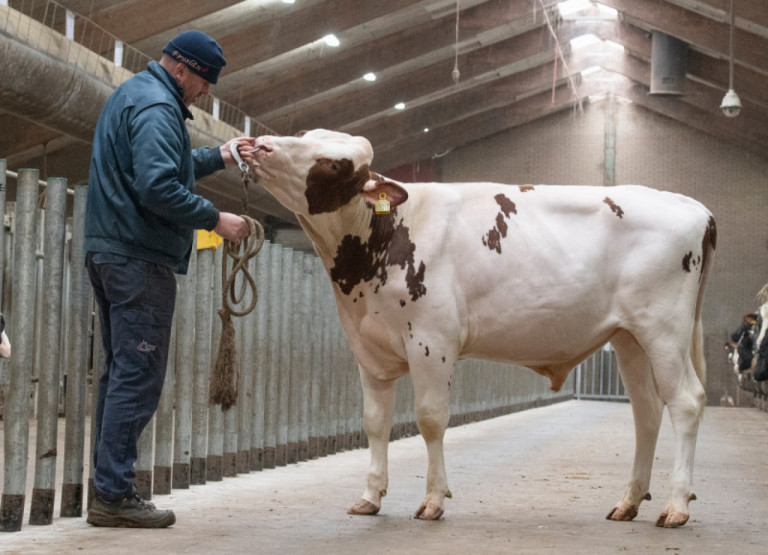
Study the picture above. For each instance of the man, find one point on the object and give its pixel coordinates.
(140, 218)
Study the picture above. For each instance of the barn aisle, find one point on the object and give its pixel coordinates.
(539, 481)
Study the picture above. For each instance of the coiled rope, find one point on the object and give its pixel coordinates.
(225, 377)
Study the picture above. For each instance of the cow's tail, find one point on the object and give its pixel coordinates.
(697, 341)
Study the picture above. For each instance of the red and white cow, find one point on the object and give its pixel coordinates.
(541, 276)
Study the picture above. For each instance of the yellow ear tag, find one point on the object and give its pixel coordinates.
(382, 205)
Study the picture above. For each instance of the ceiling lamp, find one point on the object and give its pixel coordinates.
(331, 40)
(370, 76)
(731, 105)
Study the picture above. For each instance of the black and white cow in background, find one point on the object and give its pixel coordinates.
(541, 276)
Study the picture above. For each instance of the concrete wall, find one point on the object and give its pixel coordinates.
(570, 148)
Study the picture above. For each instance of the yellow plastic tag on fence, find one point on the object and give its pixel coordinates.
(208, 239)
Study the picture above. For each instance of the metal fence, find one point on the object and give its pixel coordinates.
(299, 393)
(598, 378)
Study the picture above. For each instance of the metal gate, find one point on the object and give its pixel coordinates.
(598, 377)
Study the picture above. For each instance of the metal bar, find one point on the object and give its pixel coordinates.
(44, 492)
(284, 383)
(245, 386)
(272, 377)
(214, 468)
(79, 305)
(185, 356)
(260, 357)
(202, 362)
(164, 423)
(16, 412)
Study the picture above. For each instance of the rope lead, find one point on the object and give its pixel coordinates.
(225, 377)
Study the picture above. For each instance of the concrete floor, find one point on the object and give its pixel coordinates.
(540, 481)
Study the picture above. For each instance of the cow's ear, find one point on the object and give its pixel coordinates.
(372, 190)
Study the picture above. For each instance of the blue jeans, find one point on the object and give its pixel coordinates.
(136, 302)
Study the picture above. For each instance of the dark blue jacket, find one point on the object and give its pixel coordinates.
(141, 187)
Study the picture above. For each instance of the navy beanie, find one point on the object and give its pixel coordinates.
(199, 52)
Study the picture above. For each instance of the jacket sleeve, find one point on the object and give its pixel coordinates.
(206, 160)
(158, 144)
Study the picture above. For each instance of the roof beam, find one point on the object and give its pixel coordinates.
(477, 127)
(696, 29)
(426, 42)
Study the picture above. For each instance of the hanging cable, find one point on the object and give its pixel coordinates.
(455, 74)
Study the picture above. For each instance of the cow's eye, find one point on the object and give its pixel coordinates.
(2, 323)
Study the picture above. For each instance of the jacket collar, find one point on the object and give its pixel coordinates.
(170, 83)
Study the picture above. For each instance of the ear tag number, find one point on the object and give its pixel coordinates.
(382, 205)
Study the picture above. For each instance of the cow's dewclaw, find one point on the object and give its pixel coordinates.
(363, 507)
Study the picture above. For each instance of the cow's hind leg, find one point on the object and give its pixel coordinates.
(647, 409)
(432, 390)
(684, 395)
(378, 405)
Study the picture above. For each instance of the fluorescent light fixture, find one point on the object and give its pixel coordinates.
(583, 40)
(590, 70)
(426, 130)
(288, 1)
(331, 40)
(369, 76)
(572, 6)
(400, 106)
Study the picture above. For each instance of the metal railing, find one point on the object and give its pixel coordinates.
(104, 55)
(299, 391)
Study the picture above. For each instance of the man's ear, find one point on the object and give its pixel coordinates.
(377, 185)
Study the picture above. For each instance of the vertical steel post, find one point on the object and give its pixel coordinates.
(315, 359)
(295, 340)
(272, 347)
(214, 470)
(77, 362)
(202, 361)
(164, 423)
(16, 411)
(305, 368)
(229, 458)
(286, 362)
(260, 357)
(99, 359)
(245, 356)
(44, 492)
(185, 357)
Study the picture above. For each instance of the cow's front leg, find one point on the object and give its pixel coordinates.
(378, 404)
(432, 390)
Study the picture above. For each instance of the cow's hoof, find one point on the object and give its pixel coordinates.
(429, 511)
(671, 519)
(622, 513)
(363, 507)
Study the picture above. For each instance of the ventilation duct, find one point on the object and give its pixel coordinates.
(668, 61)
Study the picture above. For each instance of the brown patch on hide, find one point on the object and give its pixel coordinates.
(615, 208)
(388, 245)
(333, 183)
(687, 262)
(526, 188)
(493, 238)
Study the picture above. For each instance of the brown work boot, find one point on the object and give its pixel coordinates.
(129, 512)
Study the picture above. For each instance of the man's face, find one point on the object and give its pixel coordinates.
(193, 85)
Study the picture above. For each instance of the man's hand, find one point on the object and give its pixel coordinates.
(232, 227)
(244, 148)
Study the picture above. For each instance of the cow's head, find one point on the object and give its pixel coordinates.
(5, 344)
(321, 171)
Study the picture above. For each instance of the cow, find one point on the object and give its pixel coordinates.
(541, 276)
(5, 343)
